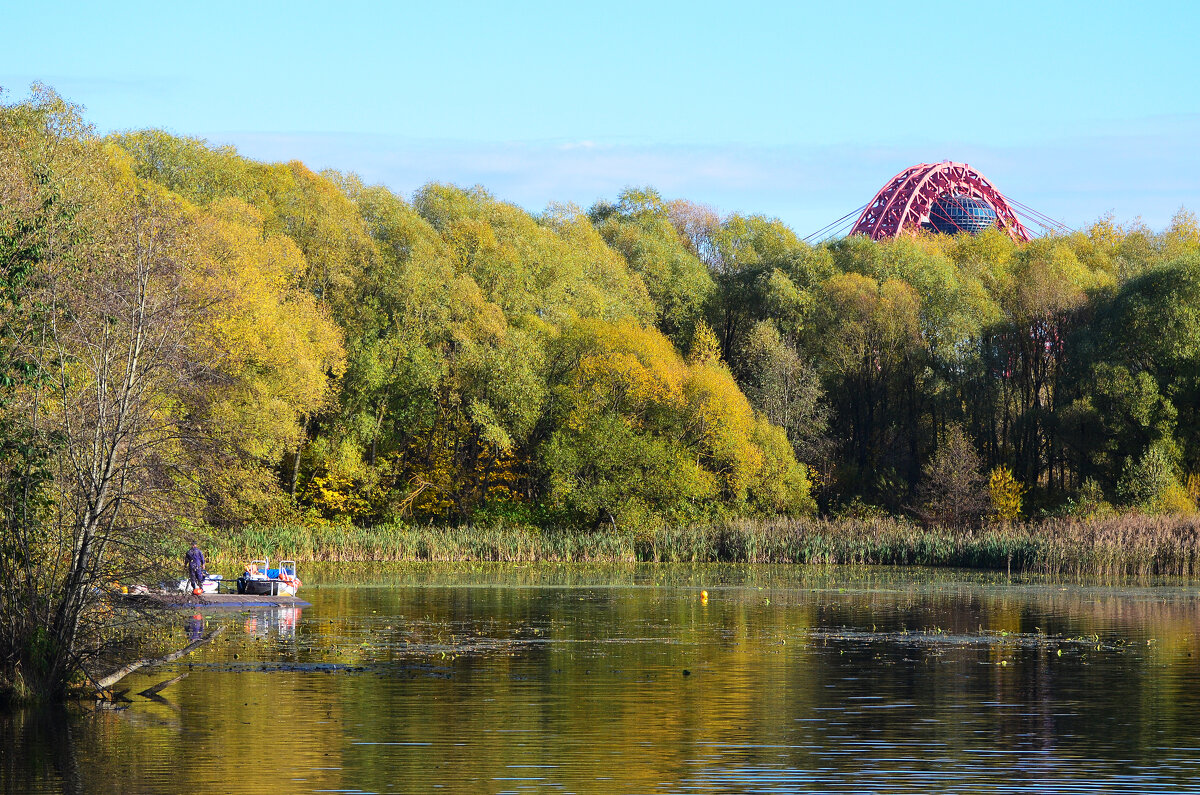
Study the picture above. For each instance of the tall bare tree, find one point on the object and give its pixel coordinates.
(103, 411)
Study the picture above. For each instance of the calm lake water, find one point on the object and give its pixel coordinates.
(623, 680)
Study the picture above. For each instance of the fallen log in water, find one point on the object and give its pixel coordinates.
(105, 682)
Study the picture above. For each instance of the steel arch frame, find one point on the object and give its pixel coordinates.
(905, 202)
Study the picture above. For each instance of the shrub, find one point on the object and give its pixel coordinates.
(1087, 503)
(1173, 500)
(953, 492)
(1192, 486)
(1151, 484)
(1005, 493)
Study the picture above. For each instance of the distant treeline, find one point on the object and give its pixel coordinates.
(338, 352)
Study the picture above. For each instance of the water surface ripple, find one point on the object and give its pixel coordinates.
(491, 679)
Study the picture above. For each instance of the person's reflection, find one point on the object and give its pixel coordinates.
(196, 627)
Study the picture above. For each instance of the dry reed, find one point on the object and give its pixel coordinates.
(1129, 545)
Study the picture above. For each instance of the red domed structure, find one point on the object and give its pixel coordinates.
(945, 197)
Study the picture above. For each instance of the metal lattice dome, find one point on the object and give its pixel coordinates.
(948, 197)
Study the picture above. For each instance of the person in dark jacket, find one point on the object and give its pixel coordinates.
(194, 561)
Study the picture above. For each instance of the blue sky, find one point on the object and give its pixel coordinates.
(784, 109)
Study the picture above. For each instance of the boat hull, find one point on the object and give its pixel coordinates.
(208, 585)
(266, 587)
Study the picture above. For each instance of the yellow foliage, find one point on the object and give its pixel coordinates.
(696, 409)
(447, 467)
(1048, 278)
(270, 347)
(1006, 493)
(336, 497)
(1174, 500)
(705, 346)
(1182, 237)
(316, 214)
(630, 368)
(782, 485)
(273, 344)
(1192, 486)
(623, 382)
(868, 323)
(723, 422)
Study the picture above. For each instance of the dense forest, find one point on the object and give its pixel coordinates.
(328, 350)
(193, 340)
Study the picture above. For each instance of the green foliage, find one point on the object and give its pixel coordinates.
(454, 356)
(1089, 503)
(552, 269)
(274, 351)
(787, 390)
(1063, 357)
(1151, 482)
(192, 168)
(639, 227)
(105, 382)
(345, 357)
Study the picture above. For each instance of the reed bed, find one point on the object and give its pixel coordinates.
(402, 542)
(1131, 545)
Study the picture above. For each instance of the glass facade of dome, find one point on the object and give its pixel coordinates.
(956, 213)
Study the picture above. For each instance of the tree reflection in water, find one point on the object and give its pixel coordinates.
(494, 678)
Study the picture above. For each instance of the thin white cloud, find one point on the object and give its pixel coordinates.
(1147, 171)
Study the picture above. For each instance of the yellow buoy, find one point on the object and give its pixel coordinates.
(704, 597)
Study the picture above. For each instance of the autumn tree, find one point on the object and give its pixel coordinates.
(272, 353)
(164, 357)
(642, 437)
(866, 336)
(437, 297)
(639, 226)
(111, 390)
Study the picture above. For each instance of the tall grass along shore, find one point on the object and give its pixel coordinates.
(1131, 545)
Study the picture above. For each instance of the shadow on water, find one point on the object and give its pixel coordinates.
(39, 751)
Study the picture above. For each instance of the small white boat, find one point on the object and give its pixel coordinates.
(259, 579)
(210, 584)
